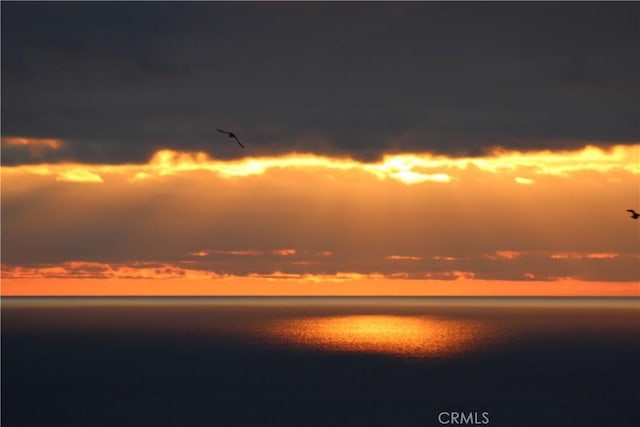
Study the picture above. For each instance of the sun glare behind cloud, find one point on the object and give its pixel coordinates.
(319, 219)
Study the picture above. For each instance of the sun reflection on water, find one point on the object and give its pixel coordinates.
(409, 336)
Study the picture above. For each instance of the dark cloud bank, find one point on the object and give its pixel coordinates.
(117, 81)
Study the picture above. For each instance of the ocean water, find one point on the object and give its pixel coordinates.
(310, 361)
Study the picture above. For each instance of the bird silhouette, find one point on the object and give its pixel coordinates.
(634, 214)
(232, 135)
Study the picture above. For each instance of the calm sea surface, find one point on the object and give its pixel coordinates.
(311, 361)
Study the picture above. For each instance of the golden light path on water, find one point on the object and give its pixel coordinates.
(406, 336)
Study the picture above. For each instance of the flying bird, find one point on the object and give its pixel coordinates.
(232, 135)
(634, 214)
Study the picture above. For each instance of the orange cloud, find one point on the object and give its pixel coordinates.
(504, 255)
(403, 257)
(409, 169)
(248, 252)
(36, 146)
(444, 258)
(199, 253)
(413, 168)
(602, 255)
(96, 270)
(283, 252)
(450, 275)
(584, 255)
(79, 175)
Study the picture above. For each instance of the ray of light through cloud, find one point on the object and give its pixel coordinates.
(319, 219)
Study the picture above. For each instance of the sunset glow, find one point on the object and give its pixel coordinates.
(319, 220)
(406, 168)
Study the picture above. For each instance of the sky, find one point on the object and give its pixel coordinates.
(413, 148)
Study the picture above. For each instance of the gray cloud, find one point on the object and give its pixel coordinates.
(117, 81)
